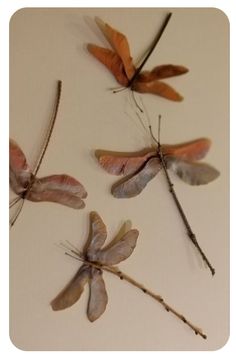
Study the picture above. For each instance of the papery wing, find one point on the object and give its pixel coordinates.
(61, 189)
(72, 292)
(124, 164)
(20, 172)
(193, 173)
(111, 60)
(119, 43)
(191, 150)
(98, 296)
(157, 88)
(119, 251)
(162, 72)
(97, 236)
(133, 185)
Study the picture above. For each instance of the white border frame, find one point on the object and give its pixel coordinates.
(7, 9)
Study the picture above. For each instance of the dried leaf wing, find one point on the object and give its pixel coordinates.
(97, 236)
(120, 250)
(162, 72)
(20, 172)
(72, 292)
(119, 43)
(157, 88)
(111, 60)
(62, 189)
(133, 185)
(127, 225)
(191, 150)
(124, 164)
(98, 296)
(193, 173)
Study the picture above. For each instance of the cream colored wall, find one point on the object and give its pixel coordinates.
(49, 44)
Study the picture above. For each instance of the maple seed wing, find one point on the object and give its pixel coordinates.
(120, 250)
(72, 292)
(192, 150)
(193, 173)
(119, 43)
(131, 186)
(122, 164)
(98, 296)
(97, 236)
(61, 189)
(157, 88)
(111, 60)
(20, 173)
(162, 72)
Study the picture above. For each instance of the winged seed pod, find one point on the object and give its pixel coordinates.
(141, 167)
(62, 189)
(120, 63)
(95, 259)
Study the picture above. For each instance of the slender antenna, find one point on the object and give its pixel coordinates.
(13, 220)
(145, 110)
(116, 271)
(159, 129)
(135, 102)
(156, 40)
(119, 89)
(153, 137)
(50, 130)
(141, 122)
(14, 201)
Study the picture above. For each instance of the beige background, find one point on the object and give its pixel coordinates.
(49, 44)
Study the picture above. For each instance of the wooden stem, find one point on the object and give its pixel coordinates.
(116, 271)
(156, 40)
(50, 130)
(156, 297)
(190, 233)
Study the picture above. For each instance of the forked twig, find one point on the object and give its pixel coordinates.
(123, 276)
(190, 233)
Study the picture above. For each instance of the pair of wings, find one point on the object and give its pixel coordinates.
(140, 168)
(120, 248)
(61, 189)
(120, 63)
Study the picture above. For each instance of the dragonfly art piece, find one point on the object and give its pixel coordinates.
(141, 167)
(95, 259)
(62, 189)
(120, 63)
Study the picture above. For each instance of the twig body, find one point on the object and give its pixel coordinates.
(158, 37)
(123, 276)
(190, 233)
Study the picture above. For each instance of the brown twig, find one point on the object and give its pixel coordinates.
(123, 276)
(190, 233)
(50, 129)
(156, 40)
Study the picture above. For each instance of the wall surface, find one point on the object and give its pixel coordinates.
(49, 44)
